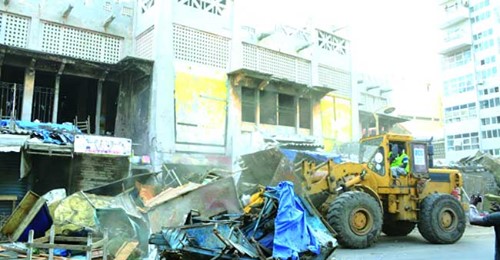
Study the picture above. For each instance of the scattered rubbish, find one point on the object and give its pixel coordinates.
(281, 226)
(32, 213)
(210, 199)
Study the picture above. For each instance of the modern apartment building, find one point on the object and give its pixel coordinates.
(471, 97)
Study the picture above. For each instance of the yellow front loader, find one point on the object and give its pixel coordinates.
(361, 200)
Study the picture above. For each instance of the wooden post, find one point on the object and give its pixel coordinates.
(89, 246)
(105, 246)
(31, 235)
(51, 241)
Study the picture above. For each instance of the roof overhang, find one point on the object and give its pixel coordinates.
(382, 117)
(261, 80)
(12, 143)
(65, 65)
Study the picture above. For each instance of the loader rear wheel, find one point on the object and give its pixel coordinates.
(357, 219)
(442, 219)
(397, 228)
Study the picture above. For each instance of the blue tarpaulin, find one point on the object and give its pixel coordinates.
(292, 233)
(47, 132)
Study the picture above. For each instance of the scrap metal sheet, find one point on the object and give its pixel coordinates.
(211, 199)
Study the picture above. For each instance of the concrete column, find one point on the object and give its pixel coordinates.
(162, 110)
(34, 37)
(98, 108)
(355, 94)
(233, 133)
(55, 108)
(28, 92)
(314, 53)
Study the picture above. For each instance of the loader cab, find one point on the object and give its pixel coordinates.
(378, 153)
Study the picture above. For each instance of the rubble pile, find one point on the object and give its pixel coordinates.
(278, 224)
(125, 219)
(481, 173)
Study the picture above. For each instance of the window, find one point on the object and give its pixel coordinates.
(286, 110)
(268, 108)
(248, 105)
(304, 113)
(275, 108)
(466, 141)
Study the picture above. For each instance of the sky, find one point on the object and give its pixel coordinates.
(391, 38)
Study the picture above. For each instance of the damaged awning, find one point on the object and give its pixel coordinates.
(12, 143)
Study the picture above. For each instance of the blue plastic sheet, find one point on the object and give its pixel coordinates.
(292, 234)
(47, 132)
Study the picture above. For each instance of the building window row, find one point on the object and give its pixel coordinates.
(275, 108)
(481, 17)
(490, 120)
(479, 5)
(487, 73)
(490, 91)
(458, 85)
(483, 34)
(484, 45)
(489, 103)
(457, 60)
(494, 151)
(460, 113)
(495, 133)
(487, 60)
(461, 142)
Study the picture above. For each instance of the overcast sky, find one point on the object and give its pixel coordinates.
(393, 38)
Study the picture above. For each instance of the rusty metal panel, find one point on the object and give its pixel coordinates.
(211, 199)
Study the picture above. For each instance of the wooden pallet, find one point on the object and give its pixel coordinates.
(87, 244)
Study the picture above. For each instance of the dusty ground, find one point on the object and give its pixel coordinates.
(477, 243)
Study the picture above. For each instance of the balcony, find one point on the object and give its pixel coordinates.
(454, 14)
(457, 43)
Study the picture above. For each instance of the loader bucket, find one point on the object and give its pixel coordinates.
(270, 167)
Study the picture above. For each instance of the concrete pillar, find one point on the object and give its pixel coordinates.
(98, 108)
(28, 92)
(314, 53)
(35, 34)
(55, 108)
(162, 110)
(233, 133)
(355, 94)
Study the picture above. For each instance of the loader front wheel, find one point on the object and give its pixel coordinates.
(442, 219)
(357, 218)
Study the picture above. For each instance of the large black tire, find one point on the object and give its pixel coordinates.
(397, 228)
(442, 219)
(357, 218)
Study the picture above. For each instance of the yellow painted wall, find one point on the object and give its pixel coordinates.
(336, 121)
(200, 105)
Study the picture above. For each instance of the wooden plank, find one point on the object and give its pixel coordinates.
(126, 250)
(27, 220)
(15, 219)
(64, 246)
(8, 197)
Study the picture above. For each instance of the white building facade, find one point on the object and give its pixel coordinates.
(471, 97)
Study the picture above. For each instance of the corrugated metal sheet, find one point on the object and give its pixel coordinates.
(9, 180)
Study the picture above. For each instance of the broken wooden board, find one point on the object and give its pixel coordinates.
(19, 214)
(126, 250)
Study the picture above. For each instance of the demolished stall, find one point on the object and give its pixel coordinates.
(43, 156)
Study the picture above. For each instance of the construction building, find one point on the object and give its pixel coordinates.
(471, 98)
